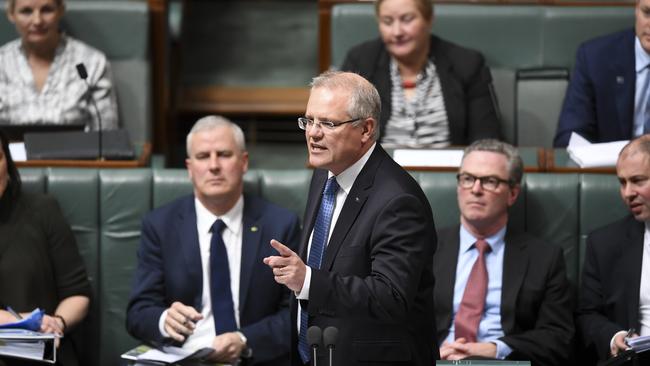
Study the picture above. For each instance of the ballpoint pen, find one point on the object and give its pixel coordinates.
(12, 312)
(629, 333)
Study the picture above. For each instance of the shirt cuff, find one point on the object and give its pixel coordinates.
(503, 350)
(304, 292)
(161, 324)
(611, 342)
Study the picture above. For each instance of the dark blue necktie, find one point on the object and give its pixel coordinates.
(220, 294)
(318, 244)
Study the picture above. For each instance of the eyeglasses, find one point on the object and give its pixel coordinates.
(306, 123)
(489, 183)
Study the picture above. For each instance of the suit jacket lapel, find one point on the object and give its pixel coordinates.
(353, 204)
(251, 243)
(313, 204)
(445, 270)
(625, 82)
(451, 89)
(633, 260)
(515, 265)
(189, 242)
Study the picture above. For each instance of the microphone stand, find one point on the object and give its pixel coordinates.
(83, 74)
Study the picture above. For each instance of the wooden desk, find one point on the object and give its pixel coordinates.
(142, 161)
(244, 101)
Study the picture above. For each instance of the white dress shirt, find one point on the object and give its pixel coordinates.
(345, 181)
(644, 297)
(204, 332)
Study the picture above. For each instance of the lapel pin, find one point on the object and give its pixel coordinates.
(620, 80)
(253, 228)
(356, 199)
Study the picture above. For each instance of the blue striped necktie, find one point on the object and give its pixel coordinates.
(318, 244)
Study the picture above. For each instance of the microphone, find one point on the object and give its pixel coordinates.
(329, 339)
(314, 339)
(83, 75)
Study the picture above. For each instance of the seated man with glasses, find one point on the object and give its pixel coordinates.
(499, 293)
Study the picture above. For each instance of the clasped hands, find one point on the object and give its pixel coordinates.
(460, 349)
(180, 323)
(288, 268)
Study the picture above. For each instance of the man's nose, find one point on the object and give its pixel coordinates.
(477, 187)
(214, 162)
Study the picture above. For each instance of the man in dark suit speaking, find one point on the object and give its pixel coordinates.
(200, 279)
(615, 287)
(364, 264)
(500, 294)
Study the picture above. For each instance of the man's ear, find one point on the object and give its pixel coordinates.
(514, 193)
(368, 129)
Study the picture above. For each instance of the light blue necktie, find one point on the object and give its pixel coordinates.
(318, 244)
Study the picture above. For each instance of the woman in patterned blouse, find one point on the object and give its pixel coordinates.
(433, 93)
(39, 83)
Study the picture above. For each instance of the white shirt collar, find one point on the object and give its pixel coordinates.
(348, 176)
(232, 218)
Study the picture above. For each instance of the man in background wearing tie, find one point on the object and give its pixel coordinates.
(609, 93)
(368, 239)
(614, 299)
(200, 280)
(500, 294)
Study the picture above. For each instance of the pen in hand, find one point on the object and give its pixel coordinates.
(629, 334)
(12, 312)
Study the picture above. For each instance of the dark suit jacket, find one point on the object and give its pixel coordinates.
(376, 282)
(611, 280)
(536, 301)
(465, 80)
(169, 269)
(599, 102)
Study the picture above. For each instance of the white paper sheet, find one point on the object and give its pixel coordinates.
(428, 158)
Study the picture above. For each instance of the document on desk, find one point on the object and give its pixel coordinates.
(27, 344)
(428, 157)
(146, 355)
(639, 344)
(588, 155)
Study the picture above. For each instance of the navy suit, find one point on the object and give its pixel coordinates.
(536, 301)
(611, 281)
(169, 269)
(599, 103)
(375, 283)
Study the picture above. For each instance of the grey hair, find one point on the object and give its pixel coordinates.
(364, 99)
(515, 164)
(640, 144)
(209, 123)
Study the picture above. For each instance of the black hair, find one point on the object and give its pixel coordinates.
(14, 186)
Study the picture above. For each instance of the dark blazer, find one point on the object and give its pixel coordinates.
(169, 269)
(536, 300)
(611, 281)
(465, 81)
(599, 102)
(376, 282)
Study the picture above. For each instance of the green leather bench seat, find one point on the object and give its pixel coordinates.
(105, 209)
(120, 29)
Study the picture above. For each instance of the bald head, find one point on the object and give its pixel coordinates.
(640, 145)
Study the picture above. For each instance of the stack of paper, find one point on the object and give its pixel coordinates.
(639, 344)
(588, 155)
(28, 344)
(146, 355)
(428, 158)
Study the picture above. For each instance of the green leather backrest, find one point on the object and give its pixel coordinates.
(120, 29)
(552, 204)
(125, 196)
(600, 204)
